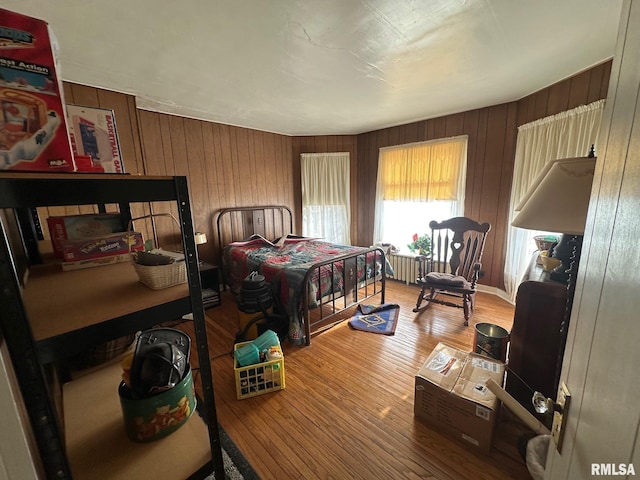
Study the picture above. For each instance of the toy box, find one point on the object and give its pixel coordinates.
(33, 128)
(96, 262)
(94, 139)
(450, 393)
(113, 244)
(259, 378)
(73, 228)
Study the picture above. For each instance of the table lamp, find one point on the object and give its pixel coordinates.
(200, 239)
(558, 202)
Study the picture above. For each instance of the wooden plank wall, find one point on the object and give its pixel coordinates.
(226, 166)
(232, 166)
(492, 133)
(582, 89)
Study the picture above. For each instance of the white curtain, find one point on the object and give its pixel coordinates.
(417, 183)
(565, 135)
(326, 204)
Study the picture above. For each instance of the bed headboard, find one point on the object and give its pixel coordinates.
(239, 223)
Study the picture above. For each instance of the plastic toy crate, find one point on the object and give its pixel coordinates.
(260, 378)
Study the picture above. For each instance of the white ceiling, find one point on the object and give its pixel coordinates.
(314, 67)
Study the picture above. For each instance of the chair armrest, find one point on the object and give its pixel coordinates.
(476, 273)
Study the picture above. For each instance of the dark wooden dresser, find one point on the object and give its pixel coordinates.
(536, 339)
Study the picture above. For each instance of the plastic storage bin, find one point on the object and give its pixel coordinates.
(247, 355)
(267, 340)
(260, 378)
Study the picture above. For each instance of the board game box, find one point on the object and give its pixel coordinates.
(93, 135)
(33, 126)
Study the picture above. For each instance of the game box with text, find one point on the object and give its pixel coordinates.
(93, 135)
(33, 127)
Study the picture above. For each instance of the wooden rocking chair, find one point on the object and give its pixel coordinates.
(453, 265)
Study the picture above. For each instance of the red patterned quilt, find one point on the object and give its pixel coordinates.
(285, 265)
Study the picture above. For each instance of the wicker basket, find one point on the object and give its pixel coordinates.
(544, 242)
(158, 277)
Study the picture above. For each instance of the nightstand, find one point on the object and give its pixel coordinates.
(209, 278)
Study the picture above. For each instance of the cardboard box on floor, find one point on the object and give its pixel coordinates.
(450, 393)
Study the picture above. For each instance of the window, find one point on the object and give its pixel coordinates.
(417, 183)
(564, 135)
(326, 205)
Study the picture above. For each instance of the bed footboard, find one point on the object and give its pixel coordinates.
(332, 286)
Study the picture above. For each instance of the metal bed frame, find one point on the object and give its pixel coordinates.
(272, 221)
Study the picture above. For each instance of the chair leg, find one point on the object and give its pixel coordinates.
(467, 305)
(422, 297)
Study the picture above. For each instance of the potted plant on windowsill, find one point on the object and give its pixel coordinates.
(420, 244)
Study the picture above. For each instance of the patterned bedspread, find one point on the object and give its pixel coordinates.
(285, 267)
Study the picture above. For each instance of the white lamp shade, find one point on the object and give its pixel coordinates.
(558, 200)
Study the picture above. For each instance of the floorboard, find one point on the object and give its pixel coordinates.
(347, 409)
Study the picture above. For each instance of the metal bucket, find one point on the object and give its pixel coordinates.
(491, 340)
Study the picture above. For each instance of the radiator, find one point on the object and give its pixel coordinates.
(405, 268)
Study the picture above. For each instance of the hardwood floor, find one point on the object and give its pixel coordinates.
(347, 409)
